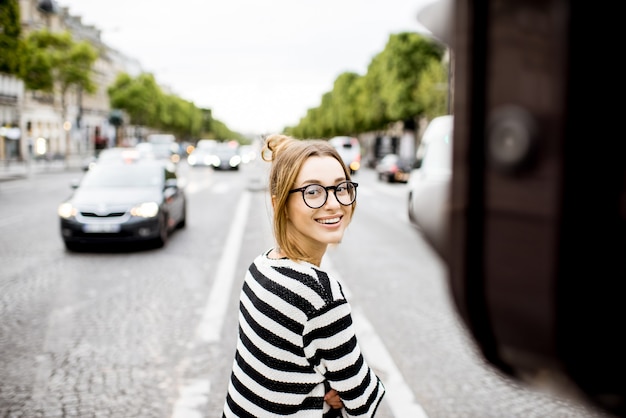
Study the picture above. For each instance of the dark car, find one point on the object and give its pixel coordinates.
(394, 169)
(429, 185)
(134, 201)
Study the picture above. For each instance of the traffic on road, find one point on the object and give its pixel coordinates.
(150, 331)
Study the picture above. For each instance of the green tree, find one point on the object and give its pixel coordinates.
(143, 100)
(369, 99)
(399, 85)
(432, 93)
(404, 60)
(140, 98)
(54, 62)
(10, 34)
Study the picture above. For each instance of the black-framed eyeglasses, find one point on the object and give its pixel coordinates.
(315, 195)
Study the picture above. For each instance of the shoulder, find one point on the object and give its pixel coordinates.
(300, 282)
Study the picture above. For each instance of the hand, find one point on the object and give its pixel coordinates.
(332, 398)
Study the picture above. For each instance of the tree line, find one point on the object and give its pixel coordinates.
(407, 81)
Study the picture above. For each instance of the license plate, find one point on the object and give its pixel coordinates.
(101, 228)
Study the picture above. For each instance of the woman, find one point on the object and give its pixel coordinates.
(297, 353)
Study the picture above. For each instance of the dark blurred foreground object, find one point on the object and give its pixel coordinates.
(537, 245)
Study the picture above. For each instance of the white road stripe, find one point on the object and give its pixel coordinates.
(210, 327)
(398, 394)
(193, 395)
(192, 400)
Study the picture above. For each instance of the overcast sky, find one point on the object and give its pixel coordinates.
(258, 64)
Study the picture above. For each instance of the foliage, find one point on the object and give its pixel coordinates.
(402, 83)
(139, 97)
(432, 92)
(406, 81)
(404, 60)
(10, 33)
(147, 105)
(55, 60)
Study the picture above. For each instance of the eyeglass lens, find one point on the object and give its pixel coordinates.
(315, 195)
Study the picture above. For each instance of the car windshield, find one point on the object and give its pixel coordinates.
(225, 151)
(124, 175)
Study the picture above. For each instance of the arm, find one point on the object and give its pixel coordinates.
(331, 345)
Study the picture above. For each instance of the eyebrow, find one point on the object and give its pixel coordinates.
(315, 181)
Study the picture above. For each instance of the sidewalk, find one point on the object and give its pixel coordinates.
(15, 170)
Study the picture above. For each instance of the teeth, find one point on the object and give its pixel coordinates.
(329, 221)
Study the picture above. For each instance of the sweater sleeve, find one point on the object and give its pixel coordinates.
(330, 344)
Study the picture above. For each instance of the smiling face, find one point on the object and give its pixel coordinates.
(314, 229)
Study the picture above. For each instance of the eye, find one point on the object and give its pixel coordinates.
(313, 190)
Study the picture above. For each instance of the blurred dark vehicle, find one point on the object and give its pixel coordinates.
(429, 185)
(226, 156)
(537, 253)
(350, 150)
(121, 202)
(393, 169)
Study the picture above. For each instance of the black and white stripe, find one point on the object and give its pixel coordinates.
(296, 340)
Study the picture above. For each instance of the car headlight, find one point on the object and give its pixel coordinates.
(66, 210)
(145, 210)
(235, 160)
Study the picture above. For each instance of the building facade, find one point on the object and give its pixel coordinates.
(33, 126)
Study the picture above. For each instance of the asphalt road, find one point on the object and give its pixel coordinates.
(151, 333)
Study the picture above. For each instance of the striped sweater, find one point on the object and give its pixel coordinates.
(296, 341)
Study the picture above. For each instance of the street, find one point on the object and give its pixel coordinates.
(151, 332)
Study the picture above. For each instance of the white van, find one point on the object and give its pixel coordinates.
(164, 146)
(350, 150)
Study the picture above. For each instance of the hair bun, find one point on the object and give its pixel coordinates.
(272, 146)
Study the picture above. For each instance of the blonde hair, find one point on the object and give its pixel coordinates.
(287, 156)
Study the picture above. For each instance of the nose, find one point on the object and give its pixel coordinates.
(334, 202)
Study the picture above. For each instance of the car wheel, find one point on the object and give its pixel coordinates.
(161, 240)
(410, 208)
(183, 221)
